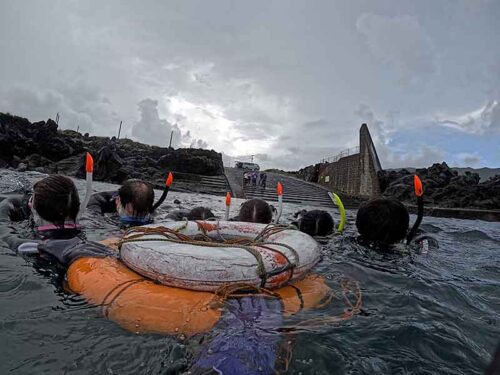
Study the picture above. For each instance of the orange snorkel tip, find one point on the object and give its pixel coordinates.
(228, 198)
(419, 189)
(279, 189)
(89, 163)
(169, 179)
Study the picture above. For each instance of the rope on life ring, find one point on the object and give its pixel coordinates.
(136, 234)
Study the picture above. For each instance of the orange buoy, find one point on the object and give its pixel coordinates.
(143, 306)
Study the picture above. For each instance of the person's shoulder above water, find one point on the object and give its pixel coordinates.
(14, 207)
(66, 251)
(103, 202)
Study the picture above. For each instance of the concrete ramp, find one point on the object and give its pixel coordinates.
(294, 190)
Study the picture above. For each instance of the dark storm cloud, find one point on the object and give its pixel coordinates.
(263, 79)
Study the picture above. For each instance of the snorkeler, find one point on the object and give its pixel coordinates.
(197, 213)
(255, 211)
(314, 222)
(133, 202)
(53, 207)
(383, 221)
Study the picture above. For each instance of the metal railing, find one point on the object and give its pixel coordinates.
(342, 154)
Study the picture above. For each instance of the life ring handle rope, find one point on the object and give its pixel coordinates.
(136, 234)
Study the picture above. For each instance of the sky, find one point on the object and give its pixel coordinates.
(289, 82)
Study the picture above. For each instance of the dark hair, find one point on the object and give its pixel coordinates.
(56, 198)
(200, 213)
(316, 223)
(139, 194)
(383, 221)
(256, 211)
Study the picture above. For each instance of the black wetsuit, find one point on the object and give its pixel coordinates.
(63, 245)
(103, 202)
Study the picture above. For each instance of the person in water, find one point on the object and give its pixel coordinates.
(53, 207)
(197, 213)
(385, 222)
(255, 211)
(133, 202)
(314, 222)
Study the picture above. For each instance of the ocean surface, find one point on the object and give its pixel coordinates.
(422, 313)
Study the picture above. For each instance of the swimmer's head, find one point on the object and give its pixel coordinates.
(382, 221)
(135, 199)
(315, 223)
(200, 213)
(256, 211)
(55, 199)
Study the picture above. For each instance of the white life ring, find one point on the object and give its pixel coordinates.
(281, 256)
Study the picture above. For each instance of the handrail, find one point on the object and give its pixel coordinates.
(342, 154)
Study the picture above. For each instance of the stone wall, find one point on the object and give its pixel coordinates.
(342, 175)
(369, 165)
(356, 174)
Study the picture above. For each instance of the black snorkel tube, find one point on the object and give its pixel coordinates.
(168, 183)
(419, 192)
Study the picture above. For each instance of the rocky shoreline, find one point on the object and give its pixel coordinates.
(42, 147)
(444, 187)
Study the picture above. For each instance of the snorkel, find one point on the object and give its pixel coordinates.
(419, 192)
(168, 183)
(279, 191)
(338, 202)
(89, 169)
(228, 205)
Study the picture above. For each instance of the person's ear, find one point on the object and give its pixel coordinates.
(118, 202)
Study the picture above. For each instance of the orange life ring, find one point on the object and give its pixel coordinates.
(143, 306)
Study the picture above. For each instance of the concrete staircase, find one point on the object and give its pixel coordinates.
(191, 183)
(294, 190)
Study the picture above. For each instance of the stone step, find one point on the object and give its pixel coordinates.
(287, 196)
(312, 194)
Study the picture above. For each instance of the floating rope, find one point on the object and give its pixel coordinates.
(353, 308)
(351, 292)
(136, 234)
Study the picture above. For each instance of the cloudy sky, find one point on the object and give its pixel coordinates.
(287, 81)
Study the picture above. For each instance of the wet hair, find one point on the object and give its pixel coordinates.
(256, 211)
(316, 223)
(200, 213)
(56, 199)
(382, 221)
(139, 194)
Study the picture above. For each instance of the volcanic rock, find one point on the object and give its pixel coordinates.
(41, 146)
(443, 187)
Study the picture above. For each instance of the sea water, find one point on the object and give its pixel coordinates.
(422, 313)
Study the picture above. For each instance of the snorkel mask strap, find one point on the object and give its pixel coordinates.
(419, 192)
(168, 183)
(338, 202)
